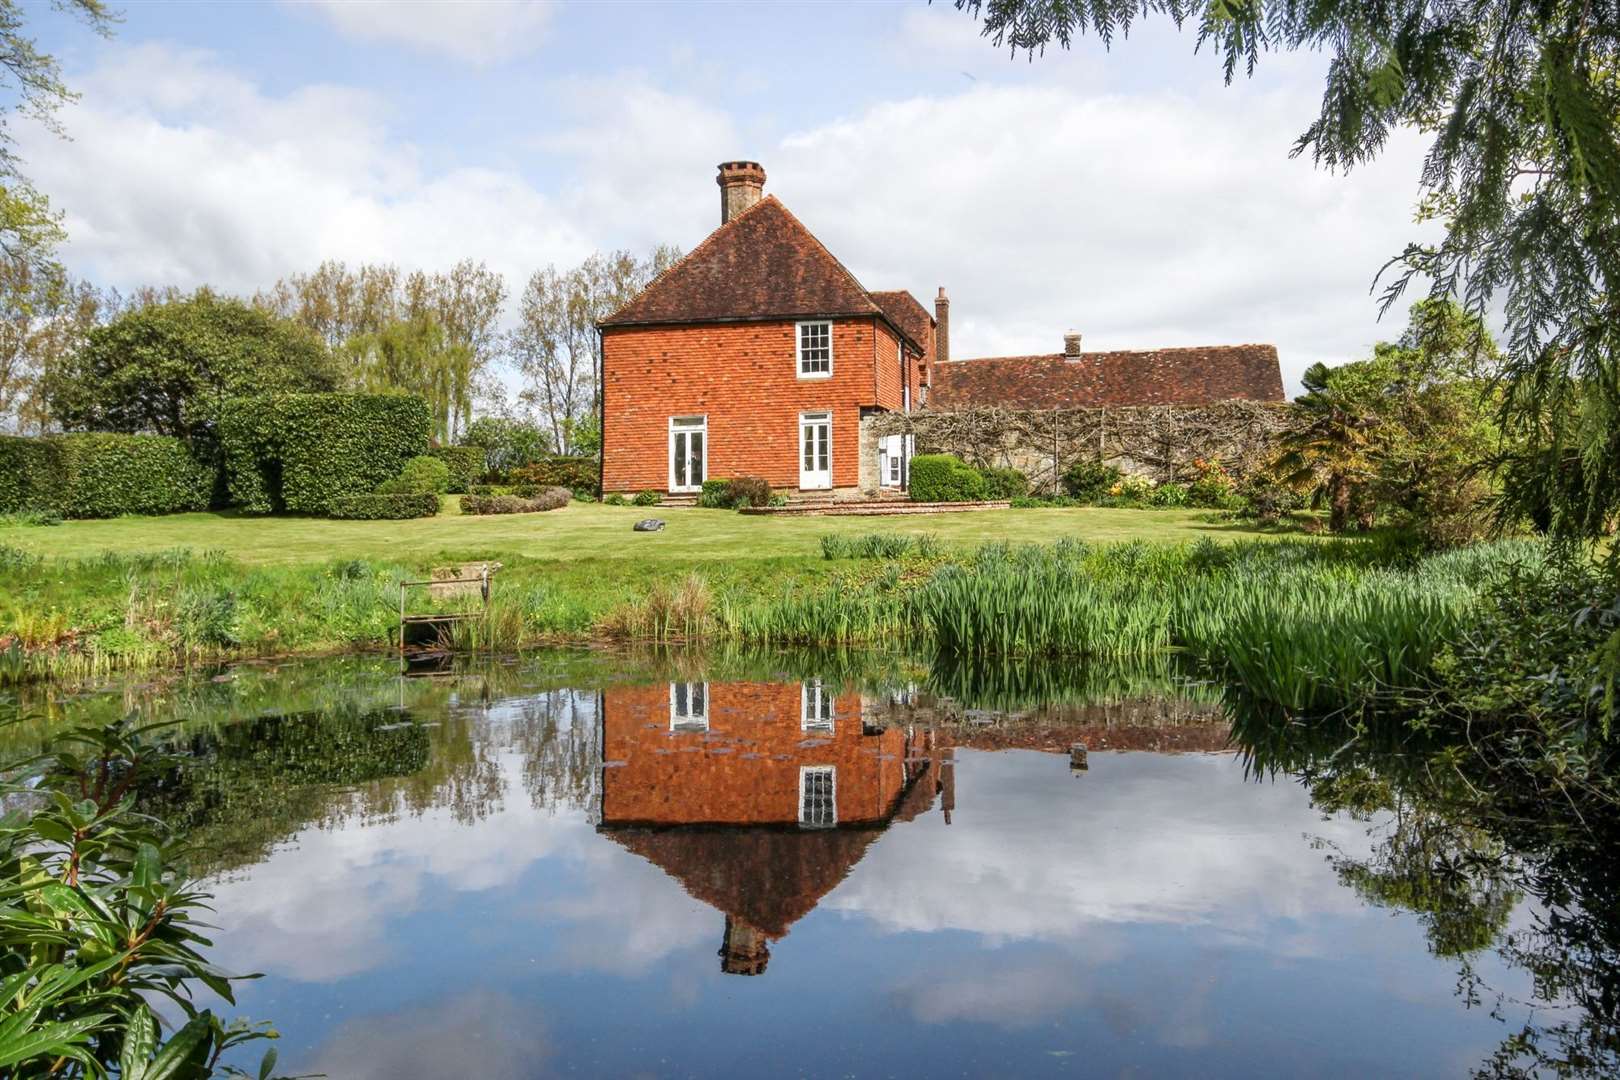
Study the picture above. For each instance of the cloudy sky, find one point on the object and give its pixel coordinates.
(1127, 194)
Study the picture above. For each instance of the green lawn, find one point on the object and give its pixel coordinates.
(588, 531)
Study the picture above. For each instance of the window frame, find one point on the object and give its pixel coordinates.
(688, 424)
(689, 720)
(829, 702)
(798, 348)
(831, 772)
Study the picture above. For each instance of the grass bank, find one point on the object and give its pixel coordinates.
(1310, 623)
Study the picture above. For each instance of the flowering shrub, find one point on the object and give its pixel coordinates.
(1131, 488)
(1212, 485)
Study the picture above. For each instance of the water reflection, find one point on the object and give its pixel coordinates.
(501, 864)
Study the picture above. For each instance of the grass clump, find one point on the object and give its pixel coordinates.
(880, 546)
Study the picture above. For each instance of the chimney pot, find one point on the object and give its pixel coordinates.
(742, 184)
(1071, 345)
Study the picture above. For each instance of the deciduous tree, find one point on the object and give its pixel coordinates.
(556, 344)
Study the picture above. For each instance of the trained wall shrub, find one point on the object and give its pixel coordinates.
(300, 452)
(551, 499)
(578, 474)
(466, 465)
(384, 507)
(945, 478)
(102, 475)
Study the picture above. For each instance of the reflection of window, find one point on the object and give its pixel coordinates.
(815, 707)
(818, 796)
(688, 706)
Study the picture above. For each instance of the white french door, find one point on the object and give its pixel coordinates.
(815, 450)
(688, 452)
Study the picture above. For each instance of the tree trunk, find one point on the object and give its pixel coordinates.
(1338, 503)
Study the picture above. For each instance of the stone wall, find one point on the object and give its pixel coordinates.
(1160, 441)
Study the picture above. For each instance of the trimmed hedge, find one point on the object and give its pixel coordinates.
(102, 475)
(578, 474)
(466, 465)
(945, 478)
(301, 452)
(551, 499)
(419, 504)
(29, 474)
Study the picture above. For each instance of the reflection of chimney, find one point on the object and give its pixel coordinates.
(947, 775)
(741, 185)
(1071, 345)
(746, 950)
(942, 326)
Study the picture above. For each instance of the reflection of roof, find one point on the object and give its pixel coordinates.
(769, 878)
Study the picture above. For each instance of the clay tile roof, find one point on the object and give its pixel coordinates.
(906, 313)
(1193, 376)
(762, 264)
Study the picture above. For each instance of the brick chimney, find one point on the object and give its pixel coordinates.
(741, 185)
(942, 326)
(1071, 345)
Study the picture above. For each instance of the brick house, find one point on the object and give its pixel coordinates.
(760, 354)
(758, 798)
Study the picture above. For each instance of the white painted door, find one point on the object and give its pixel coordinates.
(815, 451)
(688, 452)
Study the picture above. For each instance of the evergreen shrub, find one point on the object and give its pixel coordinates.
(466, 465)
(945, 478)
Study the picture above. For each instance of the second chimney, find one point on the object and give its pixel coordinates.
(742, 183)
(942, 326)
(1071, 345)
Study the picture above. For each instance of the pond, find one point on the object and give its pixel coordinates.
(670, 866)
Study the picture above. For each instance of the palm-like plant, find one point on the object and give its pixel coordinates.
(1328, 455)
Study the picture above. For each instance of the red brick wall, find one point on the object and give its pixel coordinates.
(744, 378)
(745, 768)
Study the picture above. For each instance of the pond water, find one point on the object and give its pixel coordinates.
(669, 867)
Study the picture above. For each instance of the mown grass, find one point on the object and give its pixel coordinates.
(587, 531)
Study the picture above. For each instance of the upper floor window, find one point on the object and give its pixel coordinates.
(815, 350)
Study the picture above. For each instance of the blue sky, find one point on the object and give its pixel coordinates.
(1128, 194)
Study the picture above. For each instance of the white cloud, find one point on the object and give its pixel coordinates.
(1144, 220)
(472, 31)
(183, 173)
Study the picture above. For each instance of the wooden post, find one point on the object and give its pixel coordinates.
(1077, 757)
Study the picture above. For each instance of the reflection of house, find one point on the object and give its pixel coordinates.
(757, 797)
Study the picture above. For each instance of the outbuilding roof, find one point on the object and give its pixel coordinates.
(1201, 375)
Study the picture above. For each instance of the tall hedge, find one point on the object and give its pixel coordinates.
(300, 452)
(466, 464)
(102, 475)
(29, 474)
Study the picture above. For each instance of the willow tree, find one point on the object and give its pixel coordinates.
(1521, 101)
(418, 357)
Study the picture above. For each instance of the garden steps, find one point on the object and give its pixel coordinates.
(872, 508)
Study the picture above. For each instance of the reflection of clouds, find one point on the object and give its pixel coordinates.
(319, 908)
(1022, 993)
(483, 1034)
(1142, 838)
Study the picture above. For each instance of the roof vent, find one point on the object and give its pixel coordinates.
(742, 184)
(1071, 345)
